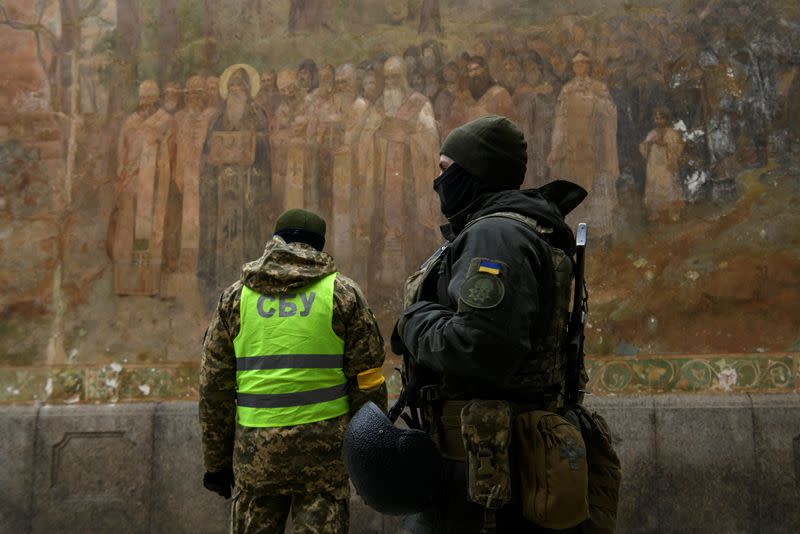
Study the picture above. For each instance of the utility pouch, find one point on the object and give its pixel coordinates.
(605, 473)
(486, 432)
(554, 479)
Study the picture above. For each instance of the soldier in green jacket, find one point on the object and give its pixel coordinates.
(291, 352)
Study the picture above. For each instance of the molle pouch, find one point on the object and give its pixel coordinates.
(604, 472)
(554, 476)
(486, 431)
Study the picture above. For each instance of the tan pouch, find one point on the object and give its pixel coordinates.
(554, 478)
(604, 472)
(486, 430)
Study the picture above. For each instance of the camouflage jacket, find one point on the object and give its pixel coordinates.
(294, 459)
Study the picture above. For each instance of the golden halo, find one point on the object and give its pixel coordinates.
(255, 79)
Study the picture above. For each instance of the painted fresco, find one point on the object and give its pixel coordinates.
(147, 147)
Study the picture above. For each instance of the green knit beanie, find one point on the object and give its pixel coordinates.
(491, 148)
(301, 225)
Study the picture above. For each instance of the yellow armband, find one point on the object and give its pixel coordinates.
(370, 379)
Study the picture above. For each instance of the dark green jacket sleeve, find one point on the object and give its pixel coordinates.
(487, 344)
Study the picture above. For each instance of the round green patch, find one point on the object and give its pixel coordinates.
(482, 290)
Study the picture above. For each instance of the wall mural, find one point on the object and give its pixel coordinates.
(147, 147)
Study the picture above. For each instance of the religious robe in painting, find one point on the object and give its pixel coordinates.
(402, 164)
(236, 206)
(341, 127)
(495, 101)
(533, 107)
(191, 128)
(662, 149)
(326, 132)
(365, 198)
(584, 150)
(136, 230)
(292, 159)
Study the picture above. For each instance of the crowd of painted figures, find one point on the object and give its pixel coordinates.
(667, 108)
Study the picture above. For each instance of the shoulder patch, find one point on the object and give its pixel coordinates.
(483, 285)
(482, 290)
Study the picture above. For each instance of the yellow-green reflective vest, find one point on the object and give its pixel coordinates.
(288, 358)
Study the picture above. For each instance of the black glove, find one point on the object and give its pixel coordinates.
(220, 482)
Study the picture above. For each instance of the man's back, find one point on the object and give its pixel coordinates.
(291, 352)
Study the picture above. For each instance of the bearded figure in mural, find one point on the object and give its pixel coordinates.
(269, 98)
(584, 146)
(136, 229)
(483, 96)
(191, 125)
(397, 161)
(291, 161)
(238, 168)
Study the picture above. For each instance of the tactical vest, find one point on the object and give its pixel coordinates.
(288, 358)
(544, 370)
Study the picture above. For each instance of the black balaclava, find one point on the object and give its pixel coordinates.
(458, 190)
(489, 155)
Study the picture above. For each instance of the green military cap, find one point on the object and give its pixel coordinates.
(301, 225)
(491, 148)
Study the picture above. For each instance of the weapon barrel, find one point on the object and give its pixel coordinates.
(577, 319)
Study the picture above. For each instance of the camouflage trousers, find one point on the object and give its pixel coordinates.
(319, 513)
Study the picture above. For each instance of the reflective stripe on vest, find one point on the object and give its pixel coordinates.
(288, 358)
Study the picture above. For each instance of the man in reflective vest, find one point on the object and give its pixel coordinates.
(292, 351)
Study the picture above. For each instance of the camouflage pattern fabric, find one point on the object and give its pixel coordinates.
(320, 513)
(302, 459)
(486, 430)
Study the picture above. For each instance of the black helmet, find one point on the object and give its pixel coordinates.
(396, 471)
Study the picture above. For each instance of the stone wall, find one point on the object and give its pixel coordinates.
(691, 464)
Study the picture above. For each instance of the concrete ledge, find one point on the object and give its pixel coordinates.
(18, 431)
(726, 463)
(179, 502)
(93, 469)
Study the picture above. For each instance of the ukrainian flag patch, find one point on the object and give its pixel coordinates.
(489, 267)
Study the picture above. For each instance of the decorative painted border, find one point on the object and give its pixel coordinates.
(608, 375)
(99, 383)
(723, 373)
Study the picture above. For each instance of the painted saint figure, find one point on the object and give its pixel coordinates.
(584, 147)
(443, 102)
(345, 117)
(662, 148)
(404, 151)
(269, 98)
(325, 133)
(191, 129)
(291, 167)
(238, 165)
(534, 102)
(213, 99)
(136, 231)
(483, 97)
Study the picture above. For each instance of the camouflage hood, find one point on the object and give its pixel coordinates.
(284, 267)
